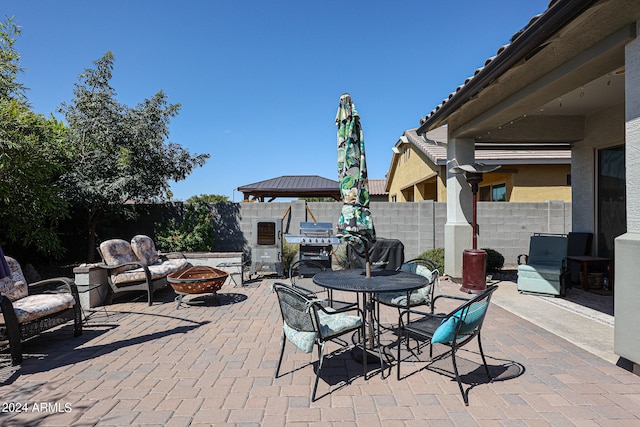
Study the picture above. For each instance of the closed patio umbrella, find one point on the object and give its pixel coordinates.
(356, 223)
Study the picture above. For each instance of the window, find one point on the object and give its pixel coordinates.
(493, 193)
(499, 193)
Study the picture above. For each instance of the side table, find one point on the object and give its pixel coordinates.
(588, 262)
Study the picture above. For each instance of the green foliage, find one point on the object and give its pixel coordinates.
(208, 198)
(32, 158)
(10, 87)
(495, 260)
(119, 152)
(436, 255)
(194, 233)
(289, 255)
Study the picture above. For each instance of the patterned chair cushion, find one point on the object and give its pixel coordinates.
(117, 251)
(168, 266)
(303, 340)
(144, 249)
(417, 297)
(14, 287)
(158, 271)
(36, 306)
(333, 324)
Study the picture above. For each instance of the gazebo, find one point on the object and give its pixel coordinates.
(291, 186)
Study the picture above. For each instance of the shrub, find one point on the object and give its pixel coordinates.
(495, 260)
(436, 255)
(193, 234)
(289, 255)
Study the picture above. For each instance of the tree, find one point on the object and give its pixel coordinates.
(10, 87)
(32, 158)
(119, 152)
(207, 198)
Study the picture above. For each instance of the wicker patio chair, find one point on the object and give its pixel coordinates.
(455, 330)
(307, 322)
(26, 310)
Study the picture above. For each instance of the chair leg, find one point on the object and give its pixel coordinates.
(455, 370)
(399, 345)
(320, 360)
(283, 340)
(484, 361)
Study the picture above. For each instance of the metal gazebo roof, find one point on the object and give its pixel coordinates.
(291, 186)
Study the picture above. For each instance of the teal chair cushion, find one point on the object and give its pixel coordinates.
(334, 324)
(417, 297)
(447, 329)
(303, 340)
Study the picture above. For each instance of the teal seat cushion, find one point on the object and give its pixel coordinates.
(417, 297)
(334, 324)
(303, 340)
(447, 329)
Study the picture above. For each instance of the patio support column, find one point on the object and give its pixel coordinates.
(627, 246)
(457, 231)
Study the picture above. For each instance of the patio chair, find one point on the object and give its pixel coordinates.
(455, 329)
(423, 296)
(308, 322)
(26, 310)
(301, 273)
(540, 271)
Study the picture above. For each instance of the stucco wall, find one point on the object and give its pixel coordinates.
(410, 170)
(525, 183)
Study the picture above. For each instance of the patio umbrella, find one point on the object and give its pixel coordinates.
(355, 225)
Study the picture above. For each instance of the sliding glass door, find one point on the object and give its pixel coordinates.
(611, 198)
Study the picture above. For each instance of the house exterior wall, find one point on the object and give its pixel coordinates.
(627, 294)
(412, 168)
(413, 180)
(537, 183)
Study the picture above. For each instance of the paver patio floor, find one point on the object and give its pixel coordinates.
(213, 365)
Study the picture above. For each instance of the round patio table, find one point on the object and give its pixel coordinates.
(355, 280)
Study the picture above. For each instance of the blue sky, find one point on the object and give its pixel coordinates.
(259, 81)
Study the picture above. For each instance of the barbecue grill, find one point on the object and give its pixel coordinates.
(316, 242)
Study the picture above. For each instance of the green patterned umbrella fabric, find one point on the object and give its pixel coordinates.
(355, 224)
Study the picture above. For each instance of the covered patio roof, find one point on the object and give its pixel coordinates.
(291, 186)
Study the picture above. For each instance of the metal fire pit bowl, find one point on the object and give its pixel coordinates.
(200, 279)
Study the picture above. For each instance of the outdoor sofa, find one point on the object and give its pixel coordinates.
(138, 266)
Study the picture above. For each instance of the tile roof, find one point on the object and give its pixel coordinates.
(377, 187)
(304, 186)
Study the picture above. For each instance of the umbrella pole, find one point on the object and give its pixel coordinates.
(367, 264)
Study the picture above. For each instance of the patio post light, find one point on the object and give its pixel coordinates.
(474, 261)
